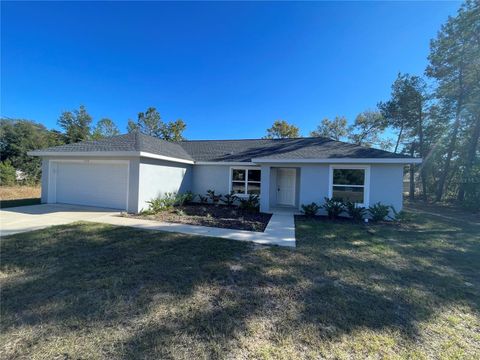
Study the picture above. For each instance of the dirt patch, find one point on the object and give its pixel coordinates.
(19, 192)
(221, 216)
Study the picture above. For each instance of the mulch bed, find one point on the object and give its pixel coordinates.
(229, 217)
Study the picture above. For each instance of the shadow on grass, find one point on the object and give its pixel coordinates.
(18, 202)
(183, 295)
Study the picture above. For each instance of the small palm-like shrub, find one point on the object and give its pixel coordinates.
(189, 197)
(357, 213)
(379, 211)
(310, 209)
(250, 204)
(333, 207)
(213, 197)
(203, 199)
(229, 199)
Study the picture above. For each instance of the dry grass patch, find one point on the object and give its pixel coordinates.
(19, 192)
(347, 291)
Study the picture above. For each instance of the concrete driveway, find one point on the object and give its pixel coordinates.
(27, 218)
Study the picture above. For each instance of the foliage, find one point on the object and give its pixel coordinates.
(250, 203)
(335, 129)
(367, 130)
(166, 202)
(333, 207)
(281, 130)
(203, 199)
(189, 197)
(229, 199)
(213, 197)
(151, 123)
(76, 124)
(7, 173)
(17, 137)
(310, 209)
(357, 213)
(104, 128)
(379, 211)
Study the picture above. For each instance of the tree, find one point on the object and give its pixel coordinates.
(281, 130)
(453, 63)
(17, 137)
(173, 131)
(76, 124)
(367, 130)
(7, 173)
(335, 129)
(150, 123)
(104, 128)
(405, 112)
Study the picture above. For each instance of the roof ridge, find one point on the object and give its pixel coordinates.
(276, 139)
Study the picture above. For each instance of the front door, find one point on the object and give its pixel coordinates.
(286, 186)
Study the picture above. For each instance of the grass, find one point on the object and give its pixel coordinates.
(12, 196)
(348, 291)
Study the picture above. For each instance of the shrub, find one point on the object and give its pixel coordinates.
(250, 204)
(166, 202)
(378, 211)
(333, 207)
(189, 197)
(310, 209)
(357, 213)
(213, 198)
(229, 199)
(203, 199)
(7, 173)
(180, 212)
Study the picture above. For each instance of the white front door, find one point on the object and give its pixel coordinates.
(286, 186)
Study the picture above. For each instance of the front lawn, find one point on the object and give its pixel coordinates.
(347, 291)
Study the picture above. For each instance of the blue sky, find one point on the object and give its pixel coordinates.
(227, 69)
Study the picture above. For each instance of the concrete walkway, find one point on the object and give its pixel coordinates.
(280, 229)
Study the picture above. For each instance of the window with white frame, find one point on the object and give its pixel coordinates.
(349, 184)
(245, 181)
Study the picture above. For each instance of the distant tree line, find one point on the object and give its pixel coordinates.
(18, 136)
(435, 116)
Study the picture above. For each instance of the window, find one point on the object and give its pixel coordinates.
(349, 184)
(245, 181)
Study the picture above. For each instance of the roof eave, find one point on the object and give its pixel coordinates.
(341, 161)
(114, 154)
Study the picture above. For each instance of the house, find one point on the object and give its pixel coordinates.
(126, 171)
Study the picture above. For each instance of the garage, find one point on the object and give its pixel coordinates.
(89, 182)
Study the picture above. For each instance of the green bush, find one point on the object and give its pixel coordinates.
(7, 173)
(357, 213)
(250, 204)
(379, 211)
(213, 197)
(310, 209)
(333, 207)
(166, 202)
(189, 197)
(229, 199)
(203, 199)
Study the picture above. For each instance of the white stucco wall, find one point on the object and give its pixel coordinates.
(157, 177)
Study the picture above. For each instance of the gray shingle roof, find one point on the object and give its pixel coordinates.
(134, 141)
(299, 148)
(230, 150)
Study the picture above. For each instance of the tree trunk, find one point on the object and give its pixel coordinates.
(398, 139)
(423, 175)
(451, 148)
(411, 193)
(472, 151)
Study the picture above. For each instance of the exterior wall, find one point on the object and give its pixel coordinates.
(386, 185)
(157, 177)
(211, 177)
(313, 181)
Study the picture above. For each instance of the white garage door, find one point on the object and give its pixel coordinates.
(90, 183)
